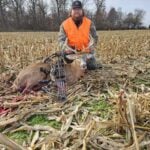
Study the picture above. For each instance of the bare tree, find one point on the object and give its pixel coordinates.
(84, 3)
(138, 17)
(42, 10)
(59, 12)
(100, 5)
(120, 18)
(134, 20)
(112, 18)
(17, 7)
(60, 9)
(35, 15)
(32, 10)
(128, 21)
(100, 14)
(3, 6)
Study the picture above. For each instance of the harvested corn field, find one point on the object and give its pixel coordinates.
(107, 109)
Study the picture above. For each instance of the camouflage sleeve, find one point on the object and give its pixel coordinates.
(93, 33)
(61, 37)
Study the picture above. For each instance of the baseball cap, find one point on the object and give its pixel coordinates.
(76, 4)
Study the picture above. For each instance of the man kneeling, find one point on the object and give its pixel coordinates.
(77, 30)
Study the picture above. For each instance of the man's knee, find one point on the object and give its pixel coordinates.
(91, 64)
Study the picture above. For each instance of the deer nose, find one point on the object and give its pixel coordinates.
(83, 66)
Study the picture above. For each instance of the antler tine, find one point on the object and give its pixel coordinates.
(91, 43)
(68, 47)
(49, 58)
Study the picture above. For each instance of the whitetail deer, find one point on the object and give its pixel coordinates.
(30, 77)
(75, 70)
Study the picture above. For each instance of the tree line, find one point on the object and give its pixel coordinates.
(22, 15)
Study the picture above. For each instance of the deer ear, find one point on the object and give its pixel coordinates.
(44, 70)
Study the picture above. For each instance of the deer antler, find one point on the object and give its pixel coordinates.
(66, 46)
(91, 43)
(49, 58)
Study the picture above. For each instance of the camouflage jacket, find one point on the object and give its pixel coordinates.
(62, 35)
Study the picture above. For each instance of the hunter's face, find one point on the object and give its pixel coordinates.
(77, 13)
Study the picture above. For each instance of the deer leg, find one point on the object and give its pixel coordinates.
(27, 89)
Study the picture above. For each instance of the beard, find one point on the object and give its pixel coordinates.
(77, 20)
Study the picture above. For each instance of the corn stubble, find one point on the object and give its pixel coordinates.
(107, 109)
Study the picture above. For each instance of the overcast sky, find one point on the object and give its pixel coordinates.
(127, 6)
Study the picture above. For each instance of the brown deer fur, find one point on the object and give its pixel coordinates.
(74, 71)
(29, 77)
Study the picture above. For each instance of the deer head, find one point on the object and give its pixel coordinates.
(83, 55)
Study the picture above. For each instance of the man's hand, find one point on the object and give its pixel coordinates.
(88, 51)
(68, 52)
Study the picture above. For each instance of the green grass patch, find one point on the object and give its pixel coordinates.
(140, 81)
(100, 107)
(19, 136)
(43, 120)
(22, 136)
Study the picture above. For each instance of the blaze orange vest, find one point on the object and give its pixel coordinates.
(78, 37)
